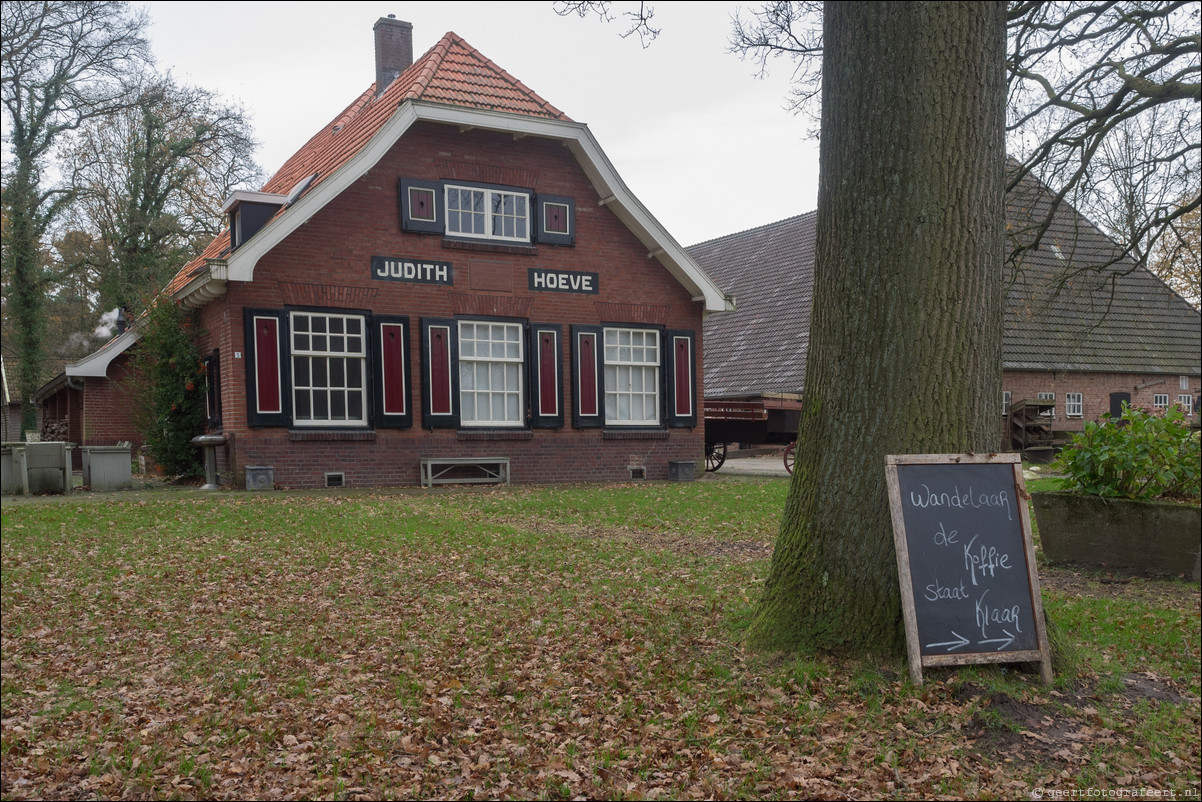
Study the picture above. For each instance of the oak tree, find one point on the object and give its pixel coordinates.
(149, 181)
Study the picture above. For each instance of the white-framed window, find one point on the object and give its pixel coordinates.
(1160, 401)
(491, 360)
(1183, 382)
(1074, 405)
(329, 369)
(487, 213)
(1005, 402)
(632, 383)
(1186, 402)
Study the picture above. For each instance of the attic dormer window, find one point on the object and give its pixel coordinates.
(488, 213)
(249, 212)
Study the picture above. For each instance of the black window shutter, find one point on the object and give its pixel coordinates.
(440, 373)
(392, 398)
(268, 368)
(422, 206)
(588, 377)
(555, 220)
(680, 378)
(544, 388)
(212, 364)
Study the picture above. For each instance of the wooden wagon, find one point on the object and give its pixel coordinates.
(751, 420)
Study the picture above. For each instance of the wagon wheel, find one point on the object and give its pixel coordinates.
(715, 456)
(790, 455)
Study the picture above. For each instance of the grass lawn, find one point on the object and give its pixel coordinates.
(526, 642)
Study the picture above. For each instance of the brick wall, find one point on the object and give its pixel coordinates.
(327, 263)
(108, 407)
(1095, 389)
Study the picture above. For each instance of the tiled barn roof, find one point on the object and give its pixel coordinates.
(1062, 312)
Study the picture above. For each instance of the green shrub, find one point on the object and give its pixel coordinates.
(170, 401)
(1144, 455)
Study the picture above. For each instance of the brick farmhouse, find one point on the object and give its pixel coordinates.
(451, 268)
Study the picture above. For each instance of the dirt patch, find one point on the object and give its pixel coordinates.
(1153, 591)
(1066, 726)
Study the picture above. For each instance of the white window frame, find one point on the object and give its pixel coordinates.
(487, 213)
(1183, 383)
(505, 363)
(630, 375)
(1160, 401)
(353, 351)
(1186, 402)
(1074, 405)
(1005, 403)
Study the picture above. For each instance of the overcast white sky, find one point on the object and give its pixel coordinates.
(685, 123)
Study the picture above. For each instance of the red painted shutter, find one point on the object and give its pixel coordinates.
(683, 363)
(681, 378)
(440, 370)
(548, 376)
(392, 363)
(587, 343)
(267, 366)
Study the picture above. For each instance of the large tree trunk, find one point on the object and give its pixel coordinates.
(905, 340)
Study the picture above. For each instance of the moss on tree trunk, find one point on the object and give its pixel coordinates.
(905, 340)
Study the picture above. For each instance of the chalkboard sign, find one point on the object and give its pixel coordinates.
(965, 560)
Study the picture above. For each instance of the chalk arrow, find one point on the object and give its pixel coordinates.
(952, 645)
(1004, 641)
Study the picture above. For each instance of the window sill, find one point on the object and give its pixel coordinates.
(634, 434)
(319, 435)
(489, 247)
(495, 434)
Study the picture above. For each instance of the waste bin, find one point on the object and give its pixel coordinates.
(38, 467)
(108, 467)
(8, 471)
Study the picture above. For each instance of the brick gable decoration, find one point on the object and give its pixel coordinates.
(409, 285)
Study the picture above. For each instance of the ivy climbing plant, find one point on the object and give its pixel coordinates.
(170, 395)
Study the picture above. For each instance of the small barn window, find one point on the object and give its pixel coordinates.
(1074, 405)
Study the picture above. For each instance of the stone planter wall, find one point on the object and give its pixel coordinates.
(1144, 536)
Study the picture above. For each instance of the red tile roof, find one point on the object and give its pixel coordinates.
(451, 73)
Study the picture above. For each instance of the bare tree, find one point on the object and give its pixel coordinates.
(1090, 83)
(63, 64)
(149, 181)
(1177, 257)
(1104, 104)
(638, 22)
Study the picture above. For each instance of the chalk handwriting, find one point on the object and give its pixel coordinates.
(962, 500)
(987, 615)
(984, 562)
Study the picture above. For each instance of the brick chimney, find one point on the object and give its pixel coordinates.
(394, 50)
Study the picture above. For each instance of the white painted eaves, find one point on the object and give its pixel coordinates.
(575, 136)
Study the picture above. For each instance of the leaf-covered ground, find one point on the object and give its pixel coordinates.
(517, 643)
